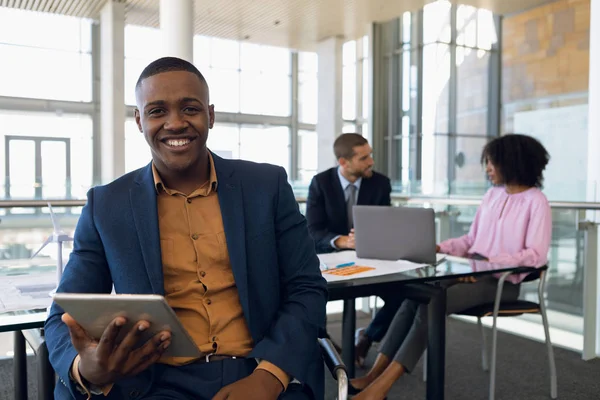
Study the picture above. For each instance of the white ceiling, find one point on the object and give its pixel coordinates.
(298, 24)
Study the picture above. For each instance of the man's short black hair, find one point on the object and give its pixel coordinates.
(520, 159)
(344, 145)
(167, 64)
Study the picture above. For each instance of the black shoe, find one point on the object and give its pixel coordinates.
(361, 348)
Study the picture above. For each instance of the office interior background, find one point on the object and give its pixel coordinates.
(427, 82)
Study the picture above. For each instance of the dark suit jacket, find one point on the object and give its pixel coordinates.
(276, 270)
(326, 204)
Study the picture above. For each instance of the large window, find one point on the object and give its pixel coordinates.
(308, 96)
(307, 155)
(142, 46)
(245, 77)
(137, 151)
(440, 62)
(45, 56)
(36, 154)
(249, 142)
(355, 85)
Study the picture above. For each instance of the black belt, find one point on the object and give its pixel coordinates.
(214, 357)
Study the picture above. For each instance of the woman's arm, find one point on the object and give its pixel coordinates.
(537, 239)
(461, 245)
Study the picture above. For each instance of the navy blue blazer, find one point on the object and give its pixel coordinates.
(326, 204)
(276, 270)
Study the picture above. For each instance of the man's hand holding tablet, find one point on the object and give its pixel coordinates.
(105, 361)
(121, 335)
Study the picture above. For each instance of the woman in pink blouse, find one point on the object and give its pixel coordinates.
(513, 226)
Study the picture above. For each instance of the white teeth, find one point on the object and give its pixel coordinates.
(178, 142)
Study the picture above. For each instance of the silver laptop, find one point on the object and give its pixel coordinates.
(395, 233)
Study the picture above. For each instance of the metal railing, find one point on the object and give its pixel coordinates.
(447, 201)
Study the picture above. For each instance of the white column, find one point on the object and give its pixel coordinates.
(591, 346)
(329, 120)
(112, 90)
(177, 28)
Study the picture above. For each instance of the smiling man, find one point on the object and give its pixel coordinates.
(222, 240)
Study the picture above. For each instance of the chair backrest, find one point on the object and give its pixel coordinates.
(532, 276)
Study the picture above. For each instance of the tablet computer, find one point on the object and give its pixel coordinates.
(95, 311)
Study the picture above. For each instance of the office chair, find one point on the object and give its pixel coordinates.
(336, 366)
(512, 309)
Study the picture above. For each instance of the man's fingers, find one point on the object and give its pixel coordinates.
(109, 337)
(155, 346)
(79, 336)
(130, 340)
(146, 360)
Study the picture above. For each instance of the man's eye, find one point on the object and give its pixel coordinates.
(191, 110)
(155, 111)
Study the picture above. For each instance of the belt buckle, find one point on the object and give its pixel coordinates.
(207, 357)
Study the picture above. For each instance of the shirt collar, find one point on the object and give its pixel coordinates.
(159, 185)
(345, 182)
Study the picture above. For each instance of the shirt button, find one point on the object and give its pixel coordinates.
(195, 236)
(189, 201)
(214, 339)
(202, 274)
(208, 301)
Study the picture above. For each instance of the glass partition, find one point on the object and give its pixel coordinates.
(25, 280)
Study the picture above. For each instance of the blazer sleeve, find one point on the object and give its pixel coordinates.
(316, 215)
(291, 342)
(86, 272)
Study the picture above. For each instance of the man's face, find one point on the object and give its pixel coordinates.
(361, 164)
(174, 114)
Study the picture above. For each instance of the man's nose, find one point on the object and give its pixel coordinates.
(176, 122)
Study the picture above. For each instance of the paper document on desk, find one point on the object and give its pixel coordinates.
(333, 269)
(25, 292)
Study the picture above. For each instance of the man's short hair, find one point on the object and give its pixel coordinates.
(168, 64)
(344, 145)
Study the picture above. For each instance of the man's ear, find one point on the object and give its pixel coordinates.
(211, 116)
(343, 162)
(138, 121)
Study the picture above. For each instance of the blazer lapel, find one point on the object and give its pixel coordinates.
(365, 193)
(231, 202)
(338, 192)
(145, 215)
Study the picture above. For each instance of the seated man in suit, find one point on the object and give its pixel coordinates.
(222, 240)
(331, 196)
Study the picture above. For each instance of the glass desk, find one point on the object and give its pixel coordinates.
(421, 283)
(28, 323)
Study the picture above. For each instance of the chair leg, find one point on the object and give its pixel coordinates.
(425, 366)
(551, 363)
(485, 363)
(493, 361)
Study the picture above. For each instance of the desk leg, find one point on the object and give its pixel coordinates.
(45, 372)
(436, 346)
(348, 328)
(20, 366)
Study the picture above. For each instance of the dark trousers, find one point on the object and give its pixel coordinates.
(380, 324)
(203, 381)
